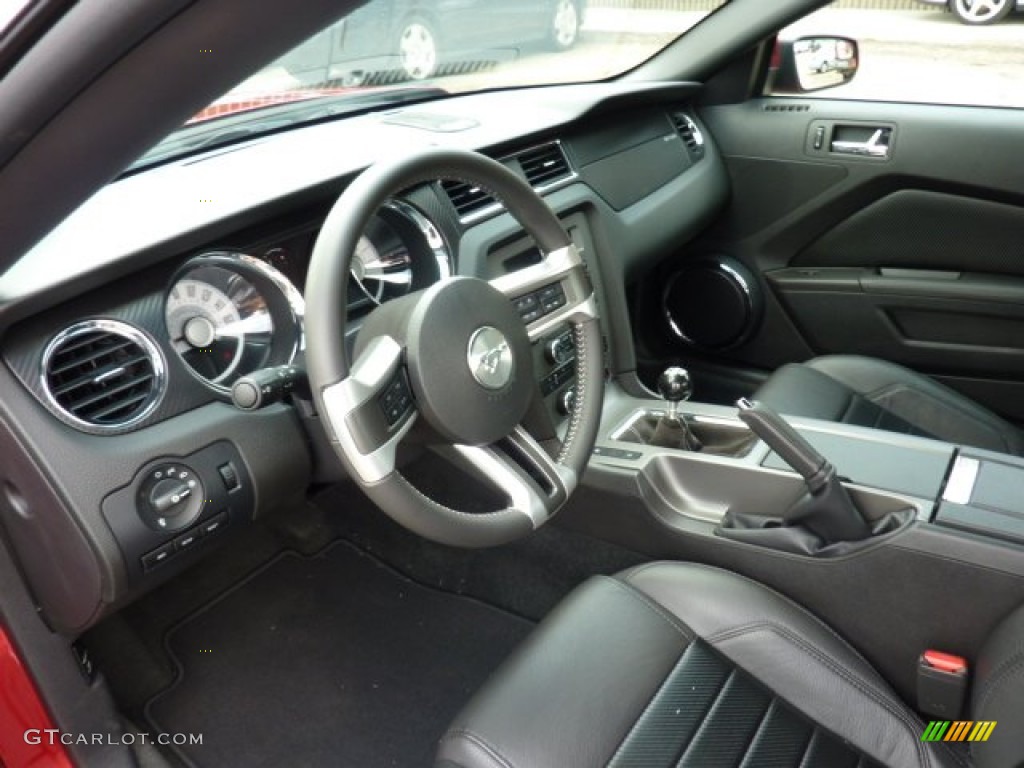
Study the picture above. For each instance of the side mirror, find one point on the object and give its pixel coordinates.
(813, 64)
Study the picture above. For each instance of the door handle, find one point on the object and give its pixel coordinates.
(876, 146)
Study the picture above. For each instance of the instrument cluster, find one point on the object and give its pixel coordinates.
(229, 313)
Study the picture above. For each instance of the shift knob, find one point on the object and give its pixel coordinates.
(675, 385)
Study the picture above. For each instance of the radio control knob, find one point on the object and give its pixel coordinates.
(559, 350)
(566, 401)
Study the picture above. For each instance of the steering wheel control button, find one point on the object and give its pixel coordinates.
(170, 498)
(396, 400)
(490, 358)
(536, 305)
(528, 307)
(551, 298)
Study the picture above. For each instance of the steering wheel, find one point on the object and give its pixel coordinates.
(454, 360)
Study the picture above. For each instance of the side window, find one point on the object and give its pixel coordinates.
(932, 51)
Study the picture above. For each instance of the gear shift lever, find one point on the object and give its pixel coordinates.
(675, 386)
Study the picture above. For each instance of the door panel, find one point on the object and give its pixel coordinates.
(914, 255)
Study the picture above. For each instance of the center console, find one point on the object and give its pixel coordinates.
(944, 520)
(736, 472)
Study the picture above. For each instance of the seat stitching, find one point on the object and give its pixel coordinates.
(672, 620)
(582, 393)
(479, 741)
(864, 687)
(641, 568)
(786, 600)
(782, 629)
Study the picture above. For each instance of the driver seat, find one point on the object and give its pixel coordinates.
(675, 664)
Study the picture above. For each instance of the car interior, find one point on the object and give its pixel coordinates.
(655, 420)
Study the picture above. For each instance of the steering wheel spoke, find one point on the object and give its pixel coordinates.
(551, 293)
(372, 409)
(534, 483)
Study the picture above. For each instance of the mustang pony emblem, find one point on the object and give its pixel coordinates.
(490, 358)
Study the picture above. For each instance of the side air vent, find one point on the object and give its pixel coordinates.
(544, 165)
(689, 133)
(467, 198)
(103, 374)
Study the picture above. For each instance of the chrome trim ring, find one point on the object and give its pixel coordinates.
(116, 328)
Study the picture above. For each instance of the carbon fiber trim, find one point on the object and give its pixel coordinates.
(24, 345)
(710, 713)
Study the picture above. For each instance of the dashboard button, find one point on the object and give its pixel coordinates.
(158, 556)
(215, 524)
(229, 475)
(188, 540)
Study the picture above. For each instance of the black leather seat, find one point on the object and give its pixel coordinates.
(673, 664)
(875, 393)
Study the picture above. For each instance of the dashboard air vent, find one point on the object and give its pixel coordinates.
(103, 374)
(467, 198)
(689, 133)
(544, 165)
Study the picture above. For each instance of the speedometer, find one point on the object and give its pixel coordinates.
(205, 322)
(228, 315)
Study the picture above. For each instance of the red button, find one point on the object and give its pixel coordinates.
(945, 662)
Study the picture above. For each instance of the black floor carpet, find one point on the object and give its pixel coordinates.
(330, 660)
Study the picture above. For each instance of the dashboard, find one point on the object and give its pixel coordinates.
(126, 331)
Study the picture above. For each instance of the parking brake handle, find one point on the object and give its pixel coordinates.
(826, 509)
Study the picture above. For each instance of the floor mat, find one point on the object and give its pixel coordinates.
(331, 660)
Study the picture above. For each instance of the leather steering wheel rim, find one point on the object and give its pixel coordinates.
(392, 357)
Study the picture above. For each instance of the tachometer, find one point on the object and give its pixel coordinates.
(229, 314)
(401, 251)
(382, 276)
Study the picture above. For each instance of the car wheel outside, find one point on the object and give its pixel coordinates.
(564, 29)
(978, 12)
(418, 49)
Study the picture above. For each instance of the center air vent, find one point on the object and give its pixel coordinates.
(689, 133)
(103, 374)
(467, 198)
(543, 167)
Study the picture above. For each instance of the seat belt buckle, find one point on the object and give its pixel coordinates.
(941, 684)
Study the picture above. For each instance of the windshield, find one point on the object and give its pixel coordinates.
(397, 51)
(9, 10)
